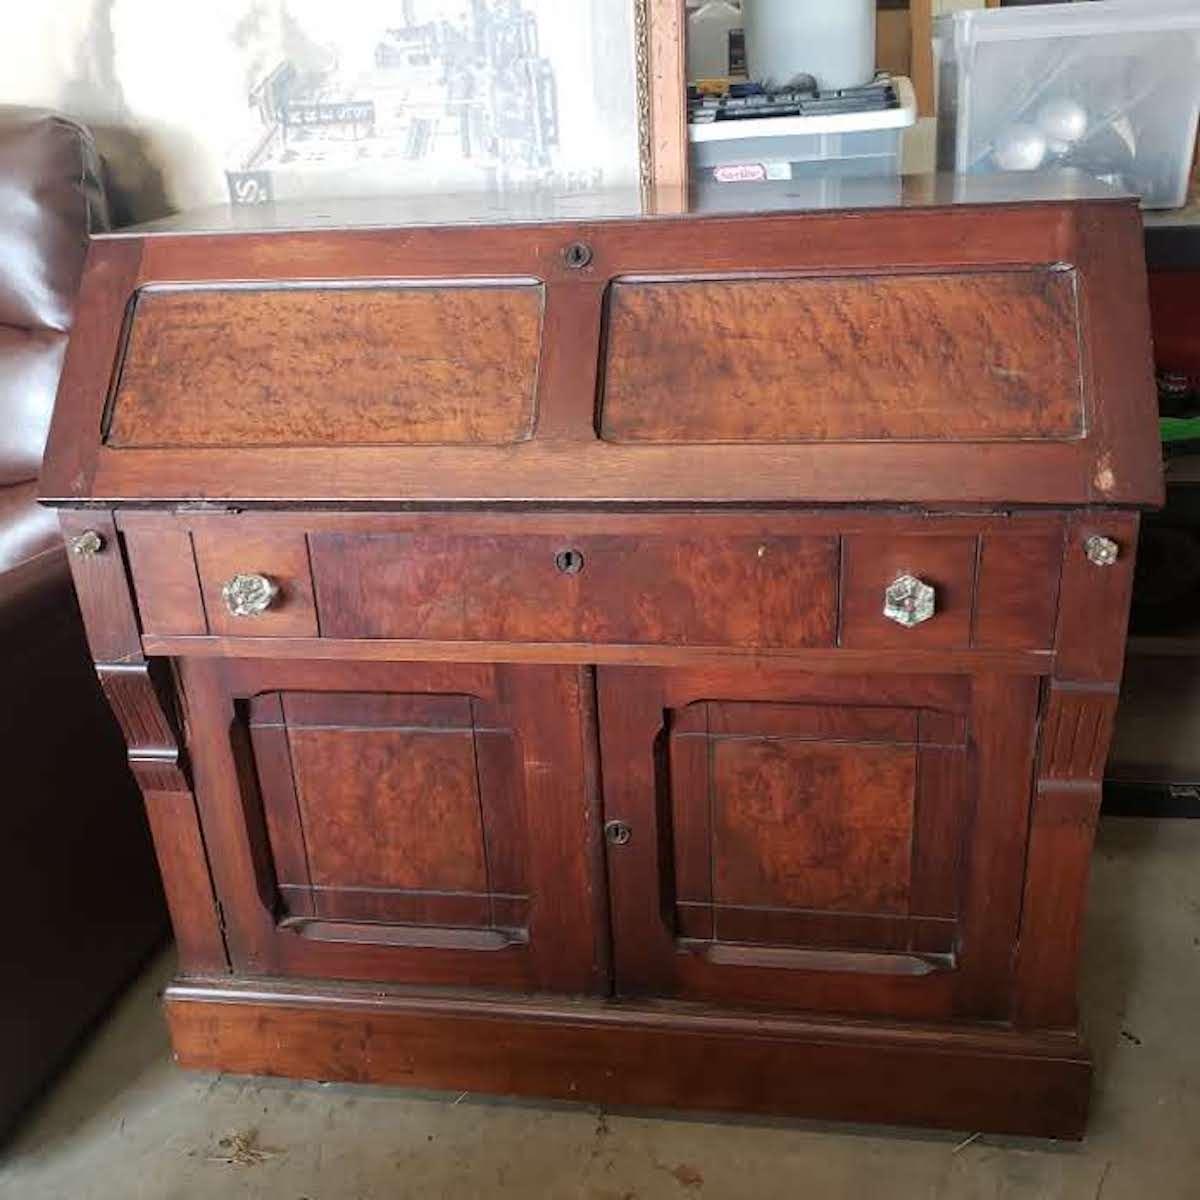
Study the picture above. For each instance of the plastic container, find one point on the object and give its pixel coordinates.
(1111, 88)
(855, 145)
(831, 40)
(710, 33)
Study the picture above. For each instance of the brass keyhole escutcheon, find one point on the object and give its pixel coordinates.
(569, 562)
(577, 255)
(618, 833)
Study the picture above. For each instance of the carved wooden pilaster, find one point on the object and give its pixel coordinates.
(1078, 715)
(142, 699)
(1077, 729)
(141, 708)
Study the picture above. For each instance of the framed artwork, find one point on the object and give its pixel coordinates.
(250, 101)
(442, 96)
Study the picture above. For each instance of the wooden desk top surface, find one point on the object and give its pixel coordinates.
(545, 206)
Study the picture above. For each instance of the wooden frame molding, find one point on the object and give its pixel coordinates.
(660, 31)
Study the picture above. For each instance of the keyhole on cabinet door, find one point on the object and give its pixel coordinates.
(577, 255)
(618, 833)
(569, 562)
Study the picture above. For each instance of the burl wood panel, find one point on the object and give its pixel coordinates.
(383, 808)
(390, 808)
(328, 366)
(987, 356)
(812, 825)
(817, 825)
(734, 591)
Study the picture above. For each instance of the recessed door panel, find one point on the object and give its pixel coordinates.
(821, 826)
(393, 817)
(407, 823)
(808, 844)
(969, 357)
(354, 365)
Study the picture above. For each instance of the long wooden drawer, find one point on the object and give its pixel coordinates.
(768, 581)
(668, 588)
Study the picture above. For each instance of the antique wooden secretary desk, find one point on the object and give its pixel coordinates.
(657, 661)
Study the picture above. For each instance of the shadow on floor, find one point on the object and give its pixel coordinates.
(129, 1044)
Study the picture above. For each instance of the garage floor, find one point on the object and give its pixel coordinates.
(125, 1124)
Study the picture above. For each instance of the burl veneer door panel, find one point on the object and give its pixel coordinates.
(622, 588)
(417, 824)
(386, 799)
(827, 843)
(848, 813)
(974, 356)
(291, 365)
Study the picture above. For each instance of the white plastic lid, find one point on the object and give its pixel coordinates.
(1073, 20)
(870, 122)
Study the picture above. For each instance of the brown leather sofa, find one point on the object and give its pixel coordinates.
(78, 887)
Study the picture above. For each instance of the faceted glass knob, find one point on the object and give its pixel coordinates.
(1101, 551)
(909, 601)
(89, 542)
(249, 595)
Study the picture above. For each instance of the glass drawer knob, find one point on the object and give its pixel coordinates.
(909, 601)
(88, 543)
(249, 595)
(1101, 551)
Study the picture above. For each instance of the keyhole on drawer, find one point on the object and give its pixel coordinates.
(569, 562)
(577, 255)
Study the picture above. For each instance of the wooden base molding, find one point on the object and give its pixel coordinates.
(649, 1055)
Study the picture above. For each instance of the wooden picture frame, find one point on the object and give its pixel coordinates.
(660, 28)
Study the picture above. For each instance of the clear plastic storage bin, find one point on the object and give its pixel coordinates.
(777, 149)
(1110, 87)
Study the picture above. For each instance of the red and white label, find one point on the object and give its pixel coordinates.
(740, 173)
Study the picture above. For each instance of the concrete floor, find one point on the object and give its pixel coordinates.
(124, 1124)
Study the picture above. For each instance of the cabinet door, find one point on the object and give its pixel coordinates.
(430, 824)
(838, 843)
